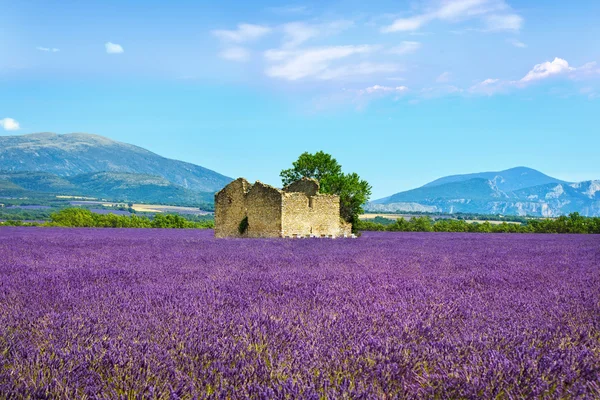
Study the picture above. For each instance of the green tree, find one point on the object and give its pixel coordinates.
(73, 217)
(317, 166)
(420, 224)
(353, 191)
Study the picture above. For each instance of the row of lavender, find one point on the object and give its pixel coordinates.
(175, 313)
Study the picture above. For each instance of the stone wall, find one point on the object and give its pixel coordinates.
(296, 211)
(230, 208)
(326, 219)
(296, 218)
(308, 186)
(317, 215)
(263, 205)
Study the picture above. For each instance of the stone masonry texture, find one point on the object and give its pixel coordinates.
(298, 210)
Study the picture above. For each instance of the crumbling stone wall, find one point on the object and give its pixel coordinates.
(326, 215)
(230, 208)
(308, 186)
(263, 206)
(296, 211)
(296, 219)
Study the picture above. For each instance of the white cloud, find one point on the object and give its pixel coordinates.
(365, 68)
(488, 82)
(238, 54)
(383, 89)
(488, 87)
(9, 124)
(507, 22)
(296, 64)
(48, 49)
(406, 24)
(492, 12)
(547, 69)
(517, 43)
(296, 33)
(113, 48)
(452, 10)
(587, 70)
(243, 33)
(405, 48)
(444, 77)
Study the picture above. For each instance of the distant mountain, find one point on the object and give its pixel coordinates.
(101, 185)
(504, 192)
(138, 187)
(79, 153)
(506, 181)
(474, 189)
(9, 189)
(39, 182)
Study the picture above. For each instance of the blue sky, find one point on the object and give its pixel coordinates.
(401, 92)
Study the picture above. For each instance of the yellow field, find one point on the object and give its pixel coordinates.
(155, 208)
(76, 197)
(173, 209)
(388, 216)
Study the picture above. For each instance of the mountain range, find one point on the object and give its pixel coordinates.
(91, 165)
(79, 153)
(81, 164)
(515, 191)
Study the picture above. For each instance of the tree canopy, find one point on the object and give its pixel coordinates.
(353, 191)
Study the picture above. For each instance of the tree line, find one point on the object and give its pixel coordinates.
(84, 218)
(573, 223)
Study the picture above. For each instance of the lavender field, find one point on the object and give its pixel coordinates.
(154, 313)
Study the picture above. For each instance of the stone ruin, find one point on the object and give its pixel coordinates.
(263, 211)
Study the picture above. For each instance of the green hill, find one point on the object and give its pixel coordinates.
(79, 153)
(102, 185)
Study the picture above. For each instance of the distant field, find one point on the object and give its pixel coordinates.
(479, 221)
(76, 197)
(388, 216)
(147, 207)
(409, 216)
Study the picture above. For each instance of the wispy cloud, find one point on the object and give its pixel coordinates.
(9, 124)
(439, 91)
(405, 48)
(238, 54)
(317, 62)
(290, 9)
(495, 15)
(443, 77)
(48, 49)
(243, 33)
(588, 70)
(488, 87)
(378, 89)
(591, 93)
(113, 48)
(506, 22)
(296, 33)
(517, 43)
(364, 68)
